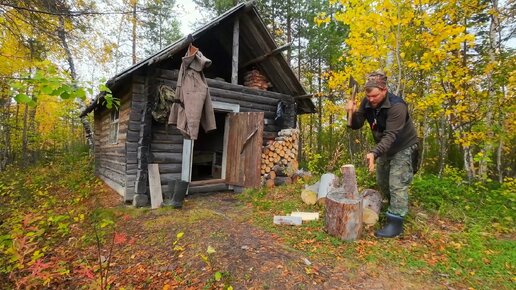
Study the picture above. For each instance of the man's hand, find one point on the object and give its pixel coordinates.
(370, 161)
(351, 106)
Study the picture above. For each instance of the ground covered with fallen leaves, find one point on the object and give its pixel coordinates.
(62, 228)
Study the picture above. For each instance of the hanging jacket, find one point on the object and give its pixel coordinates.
(194, 107)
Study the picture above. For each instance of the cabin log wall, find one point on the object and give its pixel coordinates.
(166, 150)
(110, 159)
(250, 100)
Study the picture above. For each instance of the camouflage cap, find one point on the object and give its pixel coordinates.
(376, 80)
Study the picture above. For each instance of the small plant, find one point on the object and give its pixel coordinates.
(176, 247)
(223, 277)
(104, 226)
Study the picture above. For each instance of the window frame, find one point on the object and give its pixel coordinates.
(114, 126)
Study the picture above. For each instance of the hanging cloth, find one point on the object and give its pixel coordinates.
(194, 107)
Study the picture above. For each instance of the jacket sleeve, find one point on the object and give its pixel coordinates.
(358, 117)
(396, 117)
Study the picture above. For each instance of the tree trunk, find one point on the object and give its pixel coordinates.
(25, 140)
(311, 126)
(443, 144)
(73, 73)
(493, 51)
(32, 132)
(468, 163)
(319, 113)
(134, 33)
(6, 138)
(289, 32)
(62, 36)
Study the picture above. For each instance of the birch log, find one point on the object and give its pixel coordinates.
(372, 203)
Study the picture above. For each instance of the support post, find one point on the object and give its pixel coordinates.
(234, 63)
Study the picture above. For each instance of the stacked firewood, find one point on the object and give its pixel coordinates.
(279, 158)
(255, 79)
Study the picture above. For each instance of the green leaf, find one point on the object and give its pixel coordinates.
(47, 90)
(22, 98)
(104, 88)
(180, 235)
(36, 255)
(38, 76)
(57, 92)
(17, 85)
(65, 95)
(210, 250)
(81, 94)
(105, 222)
(217, 276)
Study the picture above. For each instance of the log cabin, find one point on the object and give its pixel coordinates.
(128, 138)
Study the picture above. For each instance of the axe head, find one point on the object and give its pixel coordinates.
(352, 82)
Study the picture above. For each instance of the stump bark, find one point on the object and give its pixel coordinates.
(344, 210)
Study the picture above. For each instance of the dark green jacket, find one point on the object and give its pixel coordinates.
(391, 124)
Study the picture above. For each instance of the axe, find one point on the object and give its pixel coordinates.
(354, 88)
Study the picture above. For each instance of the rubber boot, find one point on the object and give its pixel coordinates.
(179, 193)
(167, 195)
(393, 227)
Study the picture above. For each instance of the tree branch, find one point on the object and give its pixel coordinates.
(69, 13)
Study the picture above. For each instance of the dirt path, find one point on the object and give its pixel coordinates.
(245, 256)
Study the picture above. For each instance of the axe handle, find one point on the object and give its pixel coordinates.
(353, 95)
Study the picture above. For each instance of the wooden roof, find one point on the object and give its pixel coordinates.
(215, 41)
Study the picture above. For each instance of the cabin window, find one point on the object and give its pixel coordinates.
(113, 130)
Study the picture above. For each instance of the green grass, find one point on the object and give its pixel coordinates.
(456, 232)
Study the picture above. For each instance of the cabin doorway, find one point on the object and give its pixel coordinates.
(205, 159)
(208, 152)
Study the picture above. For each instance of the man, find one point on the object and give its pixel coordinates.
(396, 142)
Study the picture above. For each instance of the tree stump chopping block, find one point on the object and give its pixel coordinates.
(343, 218)
(344, 212)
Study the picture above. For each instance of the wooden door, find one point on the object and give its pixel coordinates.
(244, 148)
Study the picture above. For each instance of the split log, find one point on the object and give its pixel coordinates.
(372, 204)
(326, 184)
(288, 220)
(306, 216)
(280, 155)
(349, 182)
(372, 199)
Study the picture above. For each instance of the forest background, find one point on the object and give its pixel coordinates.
(452, 61)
